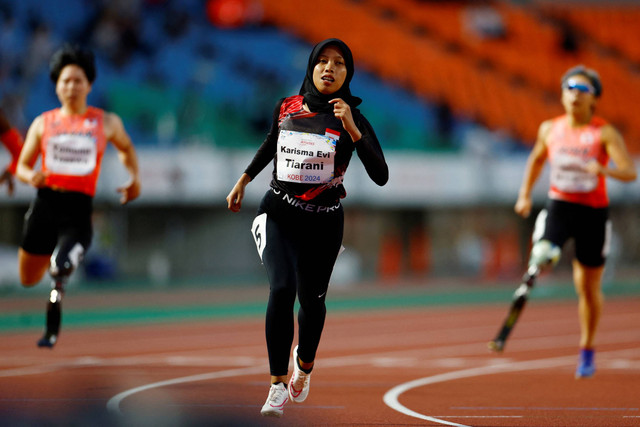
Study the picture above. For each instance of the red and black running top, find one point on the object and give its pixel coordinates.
(289, 115)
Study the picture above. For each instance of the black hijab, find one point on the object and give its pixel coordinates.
(318, 102)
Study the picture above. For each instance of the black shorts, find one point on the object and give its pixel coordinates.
(54, 215)
(589, 227)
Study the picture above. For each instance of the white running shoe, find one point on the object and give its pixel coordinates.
(278, 397)
(299, 382)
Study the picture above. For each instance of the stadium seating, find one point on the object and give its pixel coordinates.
(413, 57)
(509, 82)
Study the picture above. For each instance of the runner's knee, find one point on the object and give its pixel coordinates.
(544, 254)
(31, 267)
(28, 280)
(65, 260)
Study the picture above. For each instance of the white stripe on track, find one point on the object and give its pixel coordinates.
(391, 397)
(113, 405)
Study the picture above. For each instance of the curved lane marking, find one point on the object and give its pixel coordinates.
(391, 397)
(113, 405)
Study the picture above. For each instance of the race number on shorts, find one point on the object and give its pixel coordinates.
(259, 232)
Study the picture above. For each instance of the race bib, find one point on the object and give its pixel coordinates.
(71, 154)
(306, 158)
(567, 175)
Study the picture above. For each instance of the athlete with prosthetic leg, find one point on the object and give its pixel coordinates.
(72, 140)
(579, 146)
(544, 254)
(64, 260)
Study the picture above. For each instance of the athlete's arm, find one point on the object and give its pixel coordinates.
(370, 153)
(13, 141)
(115, 132)
(614, 144)
(29, 155)
(267, 149)
(535, 163)
(4, 123)
(234, 199)
(261, 159)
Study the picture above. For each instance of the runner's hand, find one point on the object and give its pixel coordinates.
(8, 178)
(342, 111)
(234, 199)
(38, 179)
(523, 206)
(593, 167)
(129, 192)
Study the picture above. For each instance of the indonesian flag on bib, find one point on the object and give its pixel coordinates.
(333, 134)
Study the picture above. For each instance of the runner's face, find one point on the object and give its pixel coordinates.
(72, 87)
(575, 100)
(330, 71)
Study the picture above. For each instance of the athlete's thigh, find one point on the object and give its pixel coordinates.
(40, 232)
(318, 252)
(553, 224)
(32, 267)
(279, 254)
(77, 230)
(72, 245)
(592, 237)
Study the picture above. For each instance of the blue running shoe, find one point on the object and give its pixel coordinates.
(586, 366)
(48, 340)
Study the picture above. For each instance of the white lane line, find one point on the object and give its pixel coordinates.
(113, 405)
(391, 397)
(537, 408)
(29, 370)
(479, 416)
(88, 361)
(43, 369)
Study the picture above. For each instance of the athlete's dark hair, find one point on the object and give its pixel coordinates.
(592, 75)
(72, 55)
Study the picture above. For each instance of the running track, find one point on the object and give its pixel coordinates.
(422, 365)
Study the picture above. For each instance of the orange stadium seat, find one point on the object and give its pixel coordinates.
(511, 82)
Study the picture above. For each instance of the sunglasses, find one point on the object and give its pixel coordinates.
(580, 87)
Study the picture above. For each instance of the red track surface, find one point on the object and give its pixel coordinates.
(215, 373)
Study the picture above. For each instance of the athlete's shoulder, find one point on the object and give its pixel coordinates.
(294, 99)
(545, 127)
(558, 120)
(608, 132)
(112, 124)
(47, 119)
(96, 112)
(598, 121)
(55, 112)
(291, 103)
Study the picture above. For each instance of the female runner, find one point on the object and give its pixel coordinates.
(299, 227)
(578, 145)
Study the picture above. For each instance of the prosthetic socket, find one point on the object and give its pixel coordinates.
(543, 254)
(64, 261)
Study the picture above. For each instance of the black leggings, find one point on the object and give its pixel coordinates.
(301, 247)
